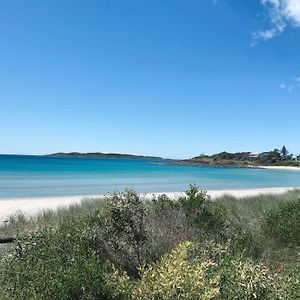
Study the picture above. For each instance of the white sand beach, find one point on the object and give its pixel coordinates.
(32, 206)
(283, 168)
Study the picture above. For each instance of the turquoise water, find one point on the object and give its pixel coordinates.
(36, 176)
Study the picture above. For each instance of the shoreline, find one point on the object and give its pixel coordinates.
(241, 166)
(33, 206)
(284, 168)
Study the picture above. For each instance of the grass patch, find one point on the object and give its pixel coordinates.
(249, 211)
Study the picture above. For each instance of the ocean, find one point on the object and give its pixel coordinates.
(23, 176)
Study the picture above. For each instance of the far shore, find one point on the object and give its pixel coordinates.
(33, 206)
(237, 166)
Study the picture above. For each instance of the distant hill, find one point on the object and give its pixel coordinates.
(100, 155)
(242, 159)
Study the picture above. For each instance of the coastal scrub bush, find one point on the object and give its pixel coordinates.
(174, 277)
(56, 264)
(124, 230)
(243, 278)
(163, 203)
(292, 282)
(283, 224)
(127, 248)
(249, 243)
(170, 222)
(206, 215)
(166, 229)
(194, 200)
(204, 271)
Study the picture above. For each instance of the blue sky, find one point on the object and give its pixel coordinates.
(170, 78)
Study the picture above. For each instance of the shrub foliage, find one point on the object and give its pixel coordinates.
(129, 248)
(283, 224)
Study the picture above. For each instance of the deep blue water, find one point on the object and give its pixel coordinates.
(37, 176)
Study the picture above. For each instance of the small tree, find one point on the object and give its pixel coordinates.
(298, 157)
(284, 151)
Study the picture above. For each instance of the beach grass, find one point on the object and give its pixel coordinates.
(20, 223)
(249, 210)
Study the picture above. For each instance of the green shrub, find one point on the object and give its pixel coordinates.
(206, 215)
(56, 264)
(163, 203)
(246, 242)
(124, 230)
(194, 215)
(242, 278)
(194, 201)
(283, 224)
(174, 277)
(165, 230)
(131, 249)
(292, 282)
(198, 271)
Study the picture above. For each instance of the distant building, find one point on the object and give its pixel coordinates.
(253, 155)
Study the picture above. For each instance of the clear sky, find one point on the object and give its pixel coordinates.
(173, 78)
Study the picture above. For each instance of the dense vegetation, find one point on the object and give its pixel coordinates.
(126, 247)
(100, 155)
(245, 159)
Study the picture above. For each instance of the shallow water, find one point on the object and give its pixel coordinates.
(38, 176)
